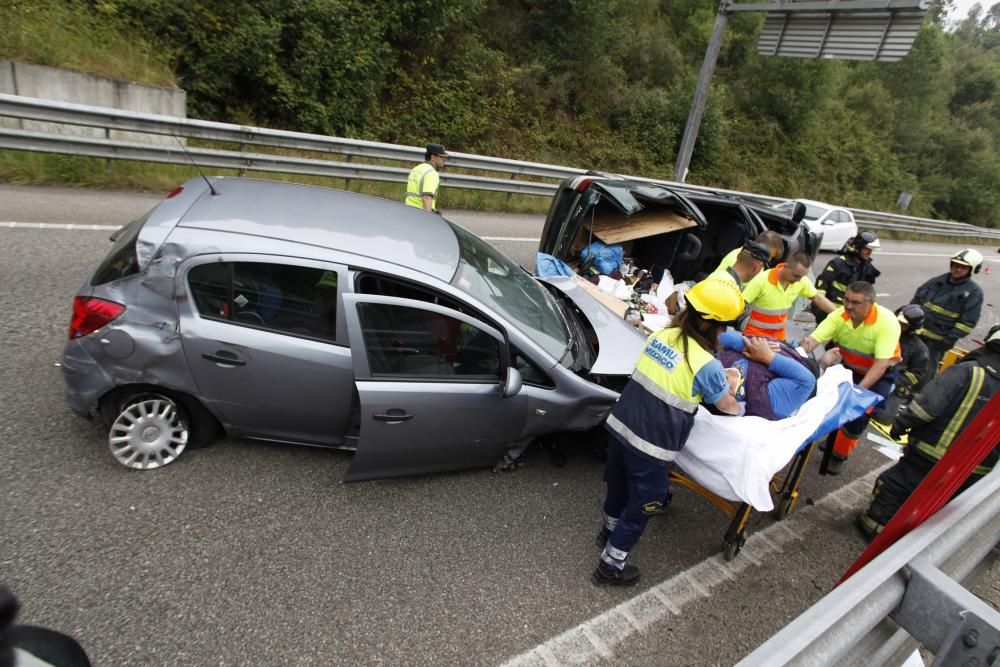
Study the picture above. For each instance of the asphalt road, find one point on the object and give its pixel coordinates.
(251, 553)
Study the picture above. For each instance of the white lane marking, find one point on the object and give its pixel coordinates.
(595, 638)
(52, 225)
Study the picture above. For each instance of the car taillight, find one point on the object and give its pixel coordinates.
(583, 184)
(90, 314)
(176, 191)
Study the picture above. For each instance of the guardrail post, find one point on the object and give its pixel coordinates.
(951, 622)
(107, 161)
(347, 181)
(510, 195)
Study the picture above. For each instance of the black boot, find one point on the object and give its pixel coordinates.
(605, 575)
(602, 537)
(834, 465)
(867, 526)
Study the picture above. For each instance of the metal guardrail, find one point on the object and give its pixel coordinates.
(515, 180)
(908, 595)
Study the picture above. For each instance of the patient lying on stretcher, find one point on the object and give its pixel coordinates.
(769, 378)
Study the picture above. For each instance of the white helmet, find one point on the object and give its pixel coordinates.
(970, 258)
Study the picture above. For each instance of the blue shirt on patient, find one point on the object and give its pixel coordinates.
(786, 392)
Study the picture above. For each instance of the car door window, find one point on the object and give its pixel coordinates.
(297, 300)
(411, 343)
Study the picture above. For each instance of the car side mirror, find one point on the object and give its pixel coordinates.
(798, 212)
(512, 385)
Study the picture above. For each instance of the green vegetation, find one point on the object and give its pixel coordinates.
(78, 36)
(602, 84)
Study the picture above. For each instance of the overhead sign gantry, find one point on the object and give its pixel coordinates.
(879, 30)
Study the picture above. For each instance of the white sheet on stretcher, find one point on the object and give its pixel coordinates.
(736, 457)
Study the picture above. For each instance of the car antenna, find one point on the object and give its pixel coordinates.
(200, 172)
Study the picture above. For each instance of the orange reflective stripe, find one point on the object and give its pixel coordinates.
(856, 360)
(768, 318)
(752, 330)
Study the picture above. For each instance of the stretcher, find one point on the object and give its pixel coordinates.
(742, 464)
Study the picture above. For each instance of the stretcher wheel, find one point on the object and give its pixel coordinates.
(785, 507)
(731, 549)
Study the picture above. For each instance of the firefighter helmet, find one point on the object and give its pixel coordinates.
(864, 240)
(970, 258)
(911, 314)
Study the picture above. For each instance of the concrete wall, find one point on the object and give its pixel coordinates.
(17, 78)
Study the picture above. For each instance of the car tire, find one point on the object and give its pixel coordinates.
(203, 427)
(150, 431)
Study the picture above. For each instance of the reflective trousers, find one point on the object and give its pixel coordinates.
(635, 485)
(894, 486)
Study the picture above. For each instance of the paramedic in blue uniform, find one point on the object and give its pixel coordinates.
(654, 415)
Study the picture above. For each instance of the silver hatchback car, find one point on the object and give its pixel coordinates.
(306, 315)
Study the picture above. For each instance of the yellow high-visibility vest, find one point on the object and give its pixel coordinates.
(423, 180)
(769, 302)
(877, 337)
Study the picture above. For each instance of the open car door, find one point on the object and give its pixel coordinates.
(435, 386)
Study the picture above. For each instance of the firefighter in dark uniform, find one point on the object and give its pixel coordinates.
(952, 303)
(911, 373)
(652, 419)
(934, 419)
(853, 264)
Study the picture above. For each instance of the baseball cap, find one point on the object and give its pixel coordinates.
(436, 149)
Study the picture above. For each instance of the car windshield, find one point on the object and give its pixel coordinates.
(484, 273)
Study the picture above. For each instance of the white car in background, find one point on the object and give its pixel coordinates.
(836, 224)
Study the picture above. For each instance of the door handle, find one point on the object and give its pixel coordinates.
(395, 416)
(223, 357)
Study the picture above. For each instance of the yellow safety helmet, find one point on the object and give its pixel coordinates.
(716, 299)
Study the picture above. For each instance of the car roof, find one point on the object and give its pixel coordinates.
(345, 221)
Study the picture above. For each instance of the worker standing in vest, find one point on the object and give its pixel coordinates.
(867, 337)
(652, 419)
(952, 303)
(772, 293)
(934, 420)
(422, 185)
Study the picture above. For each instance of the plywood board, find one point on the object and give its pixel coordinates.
(615, 229)
(617, 306)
